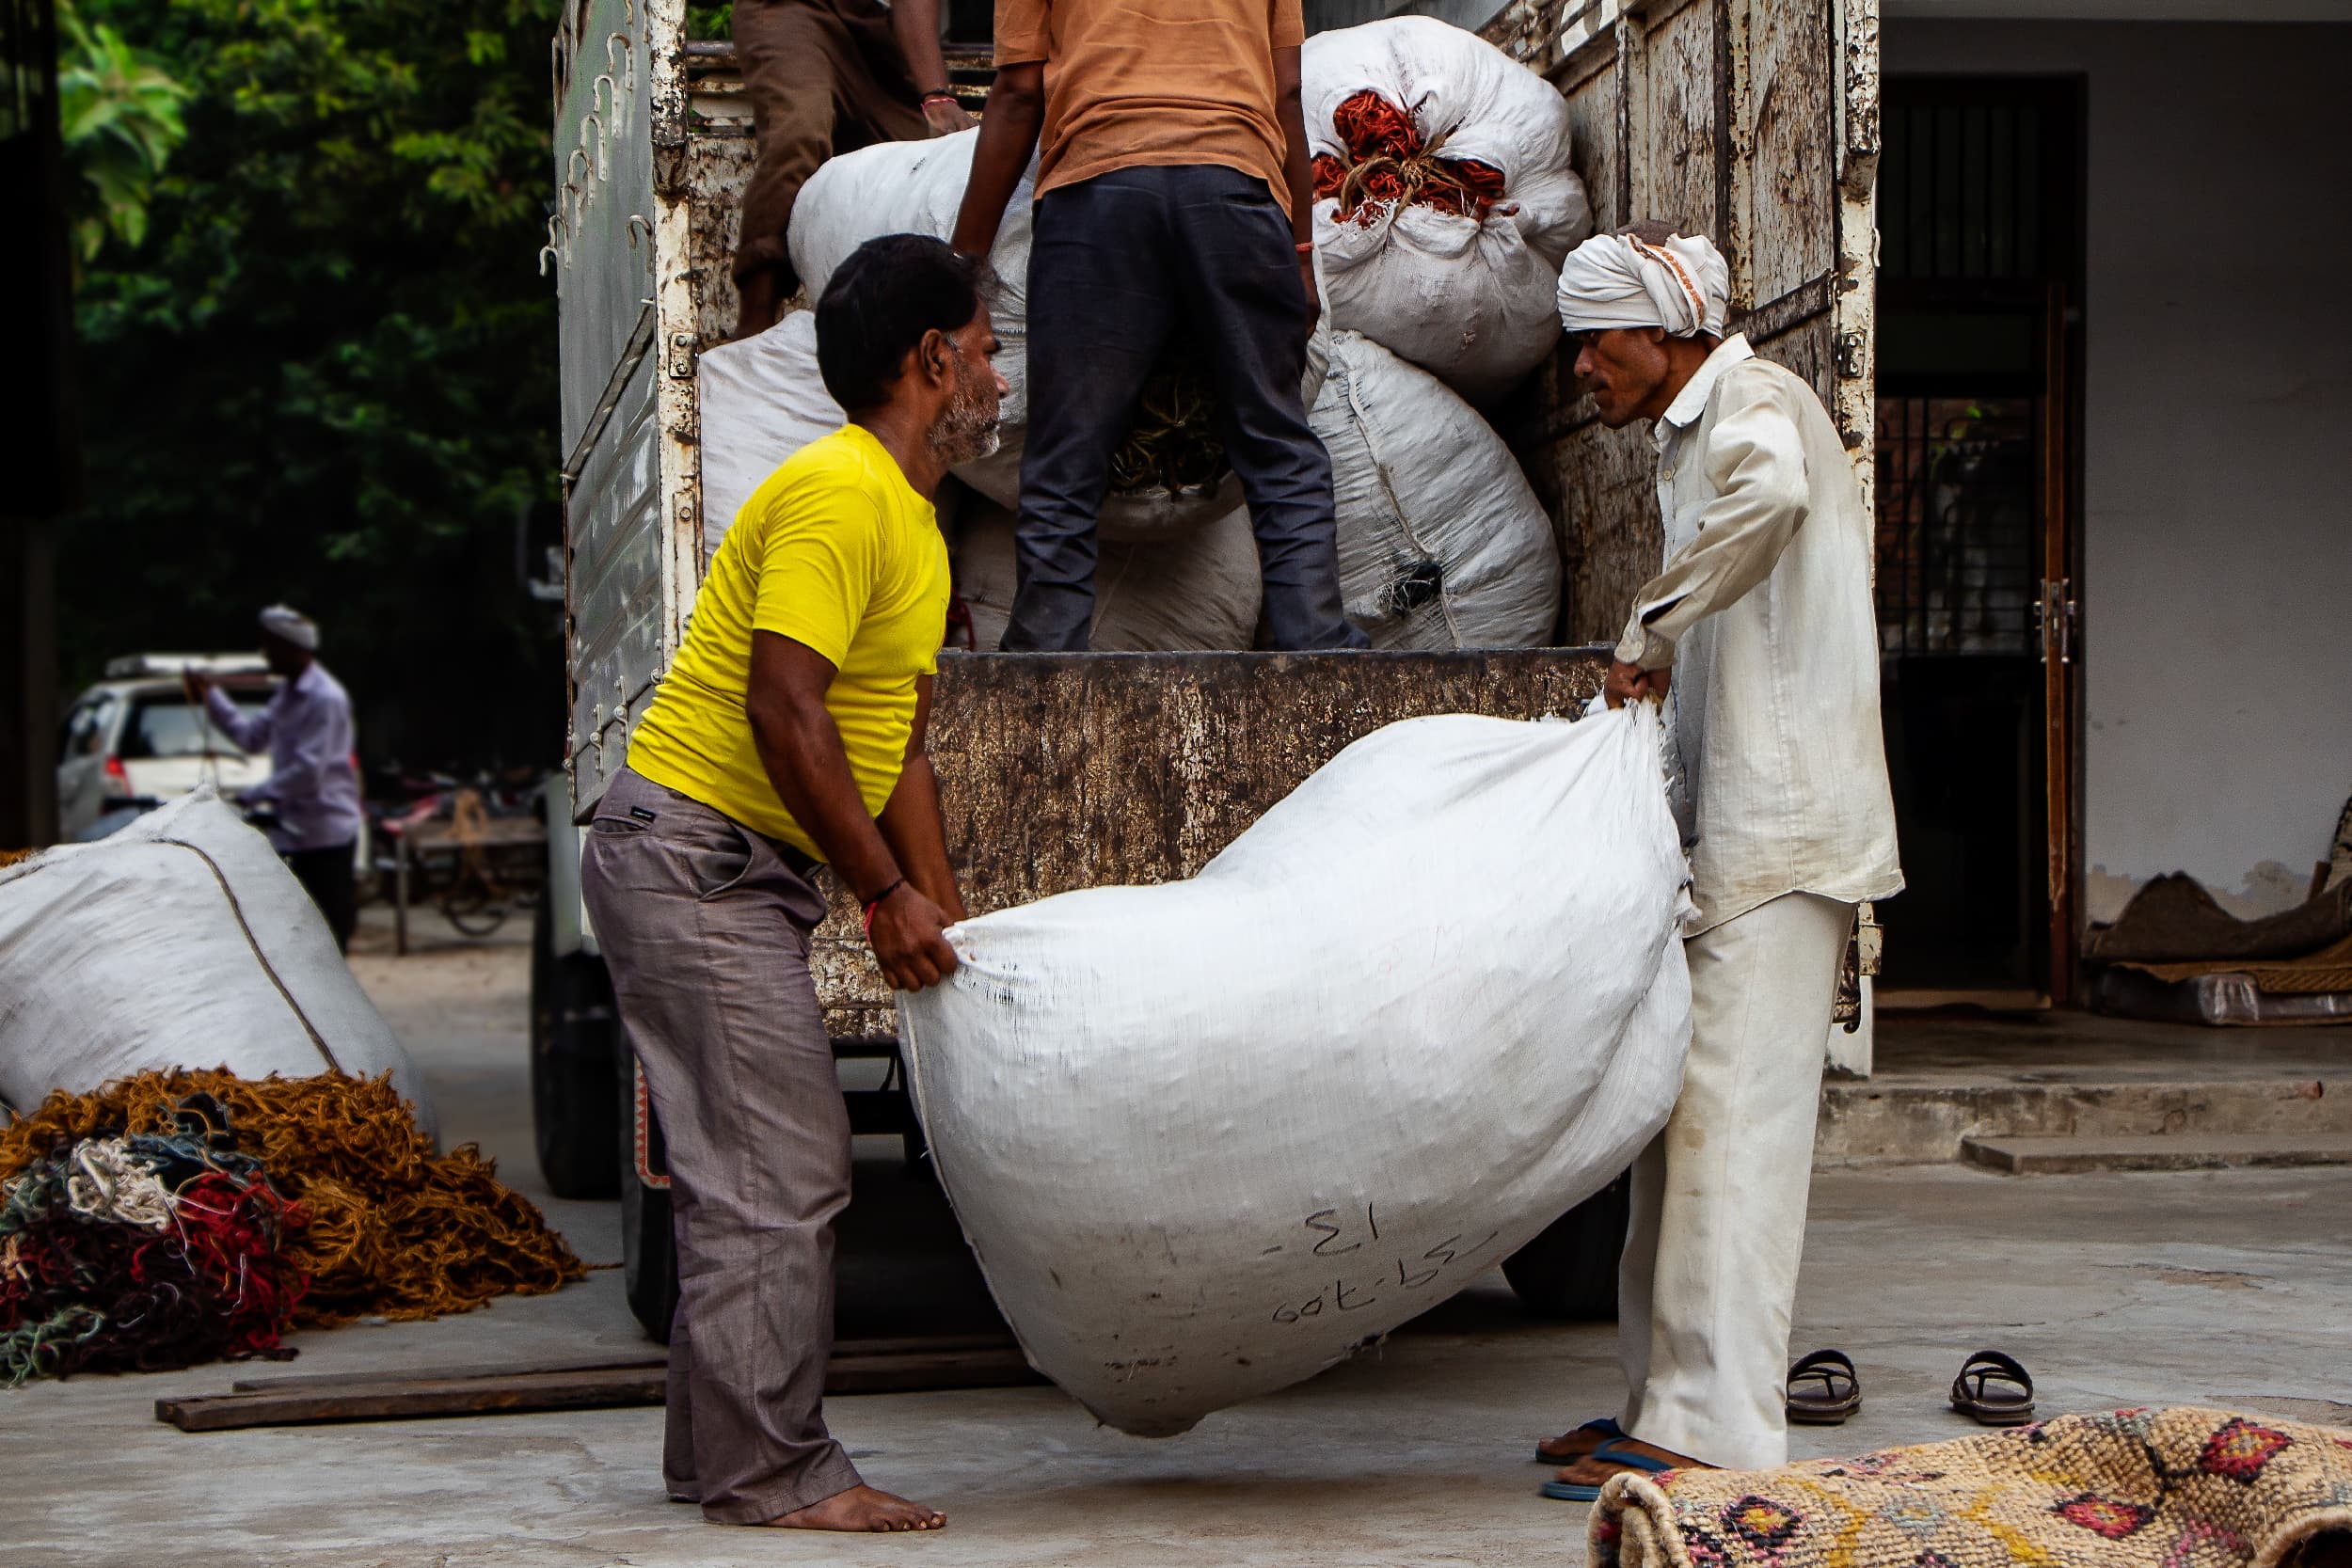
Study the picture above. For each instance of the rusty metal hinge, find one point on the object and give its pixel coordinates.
(681, 356)
(1852, 351)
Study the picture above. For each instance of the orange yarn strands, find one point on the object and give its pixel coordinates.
(394, 1230)
(1387, 167)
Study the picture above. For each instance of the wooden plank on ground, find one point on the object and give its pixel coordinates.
(928, 1344)
(858, 1367)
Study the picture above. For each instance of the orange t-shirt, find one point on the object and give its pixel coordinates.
(1131, 82)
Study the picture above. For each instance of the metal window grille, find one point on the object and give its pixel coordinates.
(1957, 571)
(1963, 191)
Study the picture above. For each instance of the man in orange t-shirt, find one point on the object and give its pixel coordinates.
(1173, 204)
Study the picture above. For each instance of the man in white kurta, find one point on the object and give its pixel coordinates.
(1760, 638)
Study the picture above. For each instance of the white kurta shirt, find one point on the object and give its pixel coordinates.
(1764, 613)
(312, 779)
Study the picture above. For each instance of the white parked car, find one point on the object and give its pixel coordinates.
(135, 740)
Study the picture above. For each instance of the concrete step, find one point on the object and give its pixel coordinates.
(1900, 1119)
(2055, 1156)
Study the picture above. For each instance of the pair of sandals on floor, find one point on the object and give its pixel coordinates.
(1992, 1389)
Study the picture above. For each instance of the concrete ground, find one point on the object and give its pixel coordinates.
(2231, 1287)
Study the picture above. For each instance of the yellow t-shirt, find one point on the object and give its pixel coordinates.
(834, 550)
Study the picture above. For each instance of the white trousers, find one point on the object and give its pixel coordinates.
(1709, 1274)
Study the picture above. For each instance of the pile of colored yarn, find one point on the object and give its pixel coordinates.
(1387, 167)
(144, 1251)
(394, 1229)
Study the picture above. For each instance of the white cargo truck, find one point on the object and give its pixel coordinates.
(1752, 120)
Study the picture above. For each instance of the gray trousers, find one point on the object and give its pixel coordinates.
(705, 925)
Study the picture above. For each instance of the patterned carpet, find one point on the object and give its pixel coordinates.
(2180, 1488)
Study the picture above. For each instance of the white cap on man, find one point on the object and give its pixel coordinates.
(1683, 285)
(284, 622)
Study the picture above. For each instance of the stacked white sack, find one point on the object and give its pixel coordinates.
(760, 400)
(180, 942)
(1200, 592)
(1470, 298)
(1209, 1138)
(1442, 545)
(916, 188)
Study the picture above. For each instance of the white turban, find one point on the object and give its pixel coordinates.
(291, 625)
(1683, 285)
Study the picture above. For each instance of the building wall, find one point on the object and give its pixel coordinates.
(2217, 413)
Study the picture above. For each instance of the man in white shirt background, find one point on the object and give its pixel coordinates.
(1760, 639)
(313, 785)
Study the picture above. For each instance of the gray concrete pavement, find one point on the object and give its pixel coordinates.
(2225, 1287)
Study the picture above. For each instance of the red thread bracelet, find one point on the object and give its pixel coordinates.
(875, 903)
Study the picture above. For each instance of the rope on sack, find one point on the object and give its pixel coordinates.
(1389, 167)
(254, 944)
(1396, 511)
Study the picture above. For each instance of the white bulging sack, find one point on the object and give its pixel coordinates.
(760, 400)
(1199, 593)
(1209, 1138)
(1442, 544)
(917, 188)
(1466, 295)
(180, 942)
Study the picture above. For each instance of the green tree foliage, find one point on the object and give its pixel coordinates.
(119, 117)
(328, 374)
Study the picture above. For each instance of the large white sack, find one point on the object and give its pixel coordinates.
(1470, 299)
(917, 188)
(1209, 1138)
(180, 942)
(1199, 593)
(761, 399)
(1442, 545)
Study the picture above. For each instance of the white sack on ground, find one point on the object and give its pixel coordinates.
(761, 399)
(1200, 592)
(1465, 293)
(180, 941)
(917, 188)
(1442, 545)
(1209, 1138)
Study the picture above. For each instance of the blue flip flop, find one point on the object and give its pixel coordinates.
(1608, 1453)
(1606, 1425)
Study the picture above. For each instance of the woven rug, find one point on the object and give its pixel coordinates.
(2316, 973)
(2179, 1488)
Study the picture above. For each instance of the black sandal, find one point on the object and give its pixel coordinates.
(1836, 1394)
(1975, 1396)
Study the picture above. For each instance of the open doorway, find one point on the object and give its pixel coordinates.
(1979, 218)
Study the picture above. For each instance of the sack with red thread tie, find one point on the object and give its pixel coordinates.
(1444, 202)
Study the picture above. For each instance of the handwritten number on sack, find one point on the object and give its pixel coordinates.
(1318, 1221)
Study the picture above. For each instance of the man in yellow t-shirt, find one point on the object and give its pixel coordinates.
(790, 733)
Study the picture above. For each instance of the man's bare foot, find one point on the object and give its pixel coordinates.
(1589, 1471)
(862, 1508)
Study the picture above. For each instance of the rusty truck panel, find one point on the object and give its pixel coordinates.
(1069, 770)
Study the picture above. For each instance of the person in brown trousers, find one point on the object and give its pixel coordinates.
(825, 76)
(788, 735)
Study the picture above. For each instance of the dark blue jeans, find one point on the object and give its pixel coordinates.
(1118, 263)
